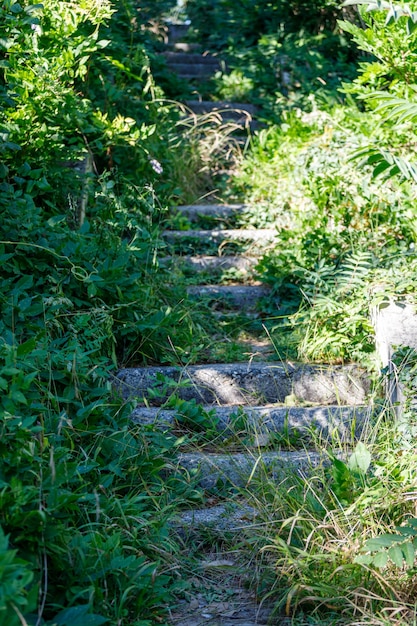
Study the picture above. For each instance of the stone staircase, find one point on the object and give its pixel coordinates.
(190, 64)
(253, 418)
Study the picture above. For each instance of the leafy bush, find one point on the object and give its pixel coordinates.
(15, 578)
(314, 526)
(341, 543)
(85, 499)
(221, 21)
(277, 52)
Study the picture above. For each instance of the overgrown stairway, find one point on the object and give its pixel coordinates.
(250, 419)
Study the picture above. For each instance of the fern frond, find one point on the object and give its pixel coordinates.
(398, 109)
(394, 11)
(353, 270)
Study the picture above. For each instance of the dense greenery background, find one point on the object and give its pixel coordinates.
(91, 159)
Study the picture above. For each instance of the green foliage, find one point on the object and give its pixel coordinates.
(277, 52)
(193, 415)
(84, 499)
(399, 547)
(222, 21)
(387, 85)
(74, 474)
(349, 479)
(16, 577)
(339, 229)
(315, 526)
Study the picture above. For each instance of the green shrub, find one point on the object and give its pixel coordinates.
(85, 497)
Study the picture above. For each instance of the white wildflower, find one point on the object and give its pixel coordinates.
(36, 28)
(156, 166)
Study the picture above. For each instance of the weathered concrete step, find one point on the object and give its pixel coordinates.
(252, 383)
(201, 77)
(243, 296)
(241, 115)
(196, 70)
(177, 32)
(239, 469)
(227, 109)
(205, 263)
(181, 46)
(218, 211)
(226, 234)
(233, 517)
(239, 608)
(190, 59)
(343, 422)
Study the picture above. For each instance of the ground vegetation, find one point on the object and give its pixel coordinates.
(93, 151)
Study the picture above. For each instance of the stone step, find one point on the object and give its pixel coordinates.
(231, 110)
(263, 422)
(231, 518)
(194, 212)
(243, 296)
(217, 235)
(222, 573)
(241, 115)
(188, 72)
(251, 383)
(204, 263)
(177, 32)
(184, 47)
(215, 471)
(190, 59)
(188, 76)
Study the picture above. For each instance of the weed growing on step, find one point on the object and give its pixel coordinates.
(208, 147)
(312, 529)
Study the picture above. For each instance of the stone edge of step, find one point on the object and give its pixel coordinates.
(232, 234)
(242, 294)
(204, 262)
(242, 383)
(238, 469)
(229, 517)
(345, 421)
(217, 210)
(207, 106)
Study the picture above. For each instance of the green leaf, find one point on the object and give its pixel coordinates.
(56, 219)
(25, 348)
(364, 559)
(382, 167)
(381, 559)
(411, 26)
(78, 616)
(384, 541)
(10, 371)
(360, 459)
(17, 396)
(16, 8)
(396, 555)
(409, 553)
